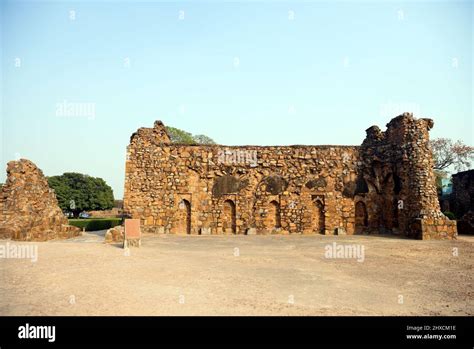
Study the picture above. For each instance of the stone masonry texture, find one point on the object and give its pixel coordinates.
(386, 185)
(29, 209)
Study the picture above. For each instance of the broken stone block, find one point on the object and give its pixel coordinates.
(115, 234)
(251, 231)
(205, 231)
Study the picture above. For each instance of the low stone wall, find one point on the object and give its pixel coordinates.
(115, 212)
(436, 229)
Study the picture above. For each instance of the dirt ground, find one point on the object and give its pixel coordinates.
(240, 275)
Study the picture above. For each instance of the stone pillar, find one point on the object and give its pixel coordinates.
(398, 166)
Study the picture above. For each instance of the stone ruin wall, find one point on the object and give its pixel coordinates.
(386, 185)
(29, 209)
(397, 166)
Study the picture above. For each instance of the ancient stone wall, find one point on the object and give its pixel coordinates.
(114, 213)
(214, 189)
(29, 209)
(398, 169)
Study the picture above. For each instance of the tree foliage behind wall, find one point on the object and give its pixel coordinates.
(447, 153)
(77, 192)
(183, 137)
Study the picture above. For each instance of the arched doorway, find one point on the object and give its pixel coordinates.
(182, 220)
(361, 217)
(273, 220)
(228, 221)
(318, 219)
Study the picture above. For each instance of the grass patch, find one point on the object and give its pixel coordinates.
(92, 224)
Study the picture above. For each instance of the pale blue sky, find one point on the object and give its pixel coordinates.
(241, 72)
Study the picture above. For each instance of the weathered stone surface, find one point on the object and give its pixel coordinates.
(382, 186)
(115, 234)
(227, 185)
(132, 243)
(28, 207)
(205, 231)
(397, 166)
(114, 212)
(252, 231)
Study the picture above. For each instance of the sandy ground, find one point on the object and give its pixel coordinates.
(240, 275)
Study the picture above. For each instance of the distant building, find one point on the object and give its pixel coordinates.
(462, 196)
(461, 200)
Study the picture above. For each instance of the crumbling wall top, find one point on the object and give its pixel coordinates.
(30, 209)
(400, 129)
(155, 135)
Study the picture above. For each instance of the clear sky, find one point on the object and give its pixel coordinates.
(78, 78)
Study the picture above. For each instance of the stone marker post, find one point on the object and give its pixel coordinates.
(132, 233)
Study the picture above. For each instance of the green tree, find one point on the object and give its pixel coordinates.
(77, 192)
(180, 136)
(203, 139)
(183, 137)
(447, 153)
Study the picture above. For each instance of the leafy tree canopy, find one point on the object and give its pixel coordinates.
(447, 153)
(203, 139)
(77, 192)
(183, 137)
